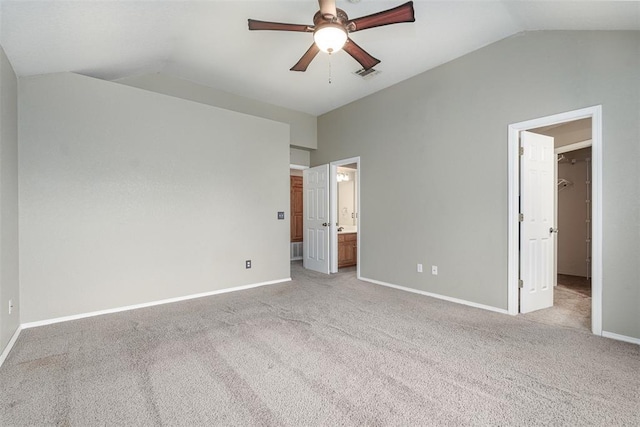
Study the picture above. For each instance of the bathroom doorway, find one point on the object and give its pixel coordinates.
(345, 213)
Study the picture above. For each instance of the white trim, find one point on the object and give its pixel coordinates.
(573, 147)
(333, 212)
(333, 218)
(513, 264)
(298, 167)
(619, 337)
(358, 215)
(596, 221)
(147, 304)
(438, 296)
(595, 113)
(10, 344)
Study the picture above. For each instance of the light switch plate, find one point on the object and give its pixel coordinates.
(280, 215)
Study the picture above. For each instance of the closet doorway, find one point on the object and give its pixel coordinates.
(576, 138)
(572, 296)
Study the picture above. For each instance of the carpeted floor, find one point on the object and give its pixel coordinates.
(317, 351)
(571, 304)
(580, 284)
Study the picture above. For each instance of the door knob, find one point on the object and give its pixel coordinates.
(553, 230)
(325, 224)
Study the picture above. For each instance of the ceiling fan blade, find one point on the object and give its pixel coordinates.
(402, 13)
(277, 26)
(359, 54)
(306, 59)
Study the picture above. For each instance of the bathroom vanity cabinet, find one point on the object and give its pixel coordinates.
(347, 249)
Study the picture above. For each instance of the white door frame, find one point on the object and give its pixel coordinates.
(595, 113)
(333, 211)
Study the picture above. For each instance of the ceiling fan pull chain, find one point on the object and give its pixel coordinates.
(329, 68)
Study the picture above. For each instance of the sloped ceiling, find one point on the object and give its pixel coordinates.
(208, 41)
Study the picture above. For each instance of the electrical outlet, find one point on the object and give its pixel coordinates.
(280, 215)
(10, 306)
(247, 263)
(419, 268)
(434, 270)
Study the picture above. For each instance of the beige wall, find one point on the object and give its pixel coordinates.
(129, 196)
(9, 287)
(572, 215)
(567, 133)
(303, 126)
(446, 130)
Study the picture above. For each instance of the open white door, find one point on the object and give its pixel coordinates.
(316, 219)
(537, 230)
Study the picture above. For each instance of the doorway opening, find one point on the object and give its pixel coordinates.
(320, 216)
(345, 212)
(575, 226)
(295, 213)
(572, 220)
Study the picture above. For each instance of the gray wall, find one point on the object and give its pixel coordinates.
(299, 157)
(9, 289)
(128, 196)
(434, 159)
(303, 126)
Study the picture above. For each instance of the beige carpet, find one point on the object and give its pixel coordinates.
(571, 304)
(317, 351)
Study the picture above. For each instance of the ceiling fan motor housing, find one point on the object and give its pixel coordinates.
(341, 19)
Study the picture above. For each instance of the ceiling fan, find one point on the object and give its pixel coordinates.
(331, 28)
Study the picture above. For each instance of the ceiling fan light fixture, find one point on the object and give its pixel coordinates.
(330, 38)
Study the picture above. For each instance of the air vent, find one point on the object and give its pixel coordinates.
(367, 74)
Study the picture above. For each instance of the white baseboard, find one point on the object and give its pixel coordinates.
(9, 346)
(619, 337)
(442, 297)
(147, 304)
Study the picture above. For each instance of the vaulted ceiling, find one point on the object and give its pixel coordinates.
(208, 41)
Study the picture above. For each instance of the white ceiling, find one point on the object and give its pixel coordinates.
(208, 41)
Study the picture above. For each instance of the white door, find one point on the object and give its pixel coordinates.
(537, 229)
(316, 219)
